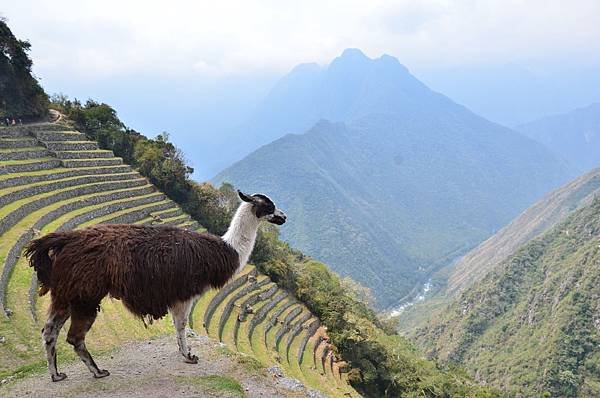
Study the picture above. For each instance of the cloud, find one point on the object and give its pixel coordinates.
(208, 38)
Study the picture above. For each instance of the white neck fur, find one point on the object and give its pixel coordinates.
(241, 234)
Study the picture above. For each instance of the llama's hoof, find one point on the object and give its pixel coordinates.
(101, 374)
(59, 377)
(191, 359)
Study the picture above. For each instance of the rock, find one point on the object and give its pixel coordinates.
(2, 339)
(292, 384)
(315, 394)
(8, 312)
(275, 371)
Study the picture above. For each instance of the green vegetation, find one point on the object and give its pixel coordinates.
(216, 384)
(20, 94)
(531, 326)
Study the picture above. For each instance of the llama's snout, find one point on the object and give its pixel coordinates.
(278, 217)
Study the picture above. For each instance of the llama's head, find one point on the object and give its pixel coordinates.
(264, 208)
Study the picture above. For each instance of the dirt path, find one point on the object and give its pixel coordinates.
(155, 369)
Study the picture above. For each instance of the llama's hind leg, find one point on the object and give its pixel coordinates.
(82, 319)
(50, 332)
(180, 312)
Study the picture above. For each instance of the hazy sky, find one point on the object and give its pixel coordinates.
(98, 39)
(197, 68)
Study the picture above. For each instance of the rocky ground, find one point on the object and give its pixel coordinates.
(155, 369)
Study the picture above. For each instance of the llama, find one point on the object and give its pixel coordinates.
(152, 269)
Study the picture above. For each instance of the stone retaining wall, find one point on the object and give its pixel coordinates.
(295, 331)
(310, 332)
(22, 143)
(70, 146)
(25, 180)
(262, 313)
(26, 192)
(275, 317)
(131, 217)
(24, 155)
(47, 136)
(286, 326)
(69, 163)
(224, 292)
(84, 154)
(13, 217)
(231, 303)
(25, 167)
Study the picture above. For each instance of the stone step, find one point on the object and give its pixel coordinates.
(17, 142)
(21, 192)
(23, 166)
(48, 136)
(71, 145)
(164, 214)
(94, 154)
(24, 153)
(69, 163)
(14, 132)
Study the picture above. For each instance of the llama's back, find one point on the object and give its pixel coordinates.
(148, 267)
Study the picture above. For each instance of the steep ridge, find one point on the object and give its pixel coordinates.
(532, 325)
(55, 179)
(537, 219)
(574, 135)
(409, 182)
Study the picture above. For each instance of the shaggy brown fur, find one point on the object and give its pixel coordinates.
(150, 268)
(153, 269)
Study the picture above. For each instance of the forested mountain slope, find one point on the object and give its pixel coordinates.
(20, 94)
(575, 135)
(540, 217)
(412, 181)
(533, 324)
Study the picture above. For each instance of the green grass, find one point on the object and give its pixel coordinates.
(42, 183)
(215, 384)
(51, 172)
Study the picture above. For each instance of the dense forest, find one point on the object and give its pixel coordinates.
(21, 96)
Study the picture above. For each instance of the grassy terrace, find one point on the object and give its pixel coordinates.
(81, 195)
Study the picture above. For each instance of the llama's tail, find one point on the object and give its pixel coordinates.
(41, 251)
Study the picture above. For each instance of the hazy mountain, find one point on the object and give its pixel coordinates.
(512, 94)
(532, 325)
(575, 135)
(409, 183)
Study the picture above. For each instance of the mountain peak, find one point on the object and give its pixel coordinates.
(353, 53)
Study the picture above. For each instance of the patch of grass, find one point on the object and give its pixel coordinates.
(215, 384)
(250, 363)
(25, 370)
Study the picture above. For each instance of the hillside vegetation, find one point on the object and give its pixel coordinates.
(547, 212)
(289, 310)
(531, 326)
(408, 182)
(574, 135)
(20, 94)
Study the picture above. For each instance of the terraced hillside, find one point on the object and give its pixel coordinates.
(55, 179)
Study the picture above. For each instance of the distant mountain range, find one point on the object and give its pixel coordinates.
(399, 181)
(532, 325)
(574, 135)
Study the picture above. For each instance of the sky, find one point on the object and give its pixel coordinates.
(197, 67)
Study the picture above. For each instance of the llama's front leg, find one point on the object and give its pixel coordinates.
(50, 332)
(180, 313)
(81, 322)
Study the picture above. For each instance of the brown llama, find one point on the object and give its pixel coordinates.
(152, 269)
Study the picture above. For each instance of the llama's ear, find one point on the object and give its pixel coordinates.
(245, 197)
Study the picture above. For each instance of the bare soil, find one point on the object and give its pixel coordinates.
(156, 369)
